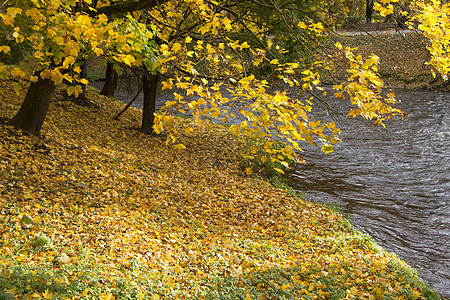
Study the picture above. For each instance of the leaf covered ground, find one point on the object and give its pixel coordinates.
(403, 58)
(97, 210)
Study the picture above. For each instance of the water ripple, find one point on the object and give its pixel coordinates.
(394, 183)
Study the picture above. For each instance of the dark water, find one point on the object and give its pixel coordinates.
(394, 183)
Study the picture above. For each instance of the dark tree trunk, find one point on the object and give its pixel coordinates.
(81, 100)
(111, 80)
(369, 10)
(31, 114)
(150, 85)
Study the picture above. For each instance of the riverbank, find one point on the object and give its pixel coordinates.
(98, 210)
(403, 56)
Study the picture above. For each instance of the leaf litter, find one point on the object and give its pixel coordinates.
(96, 209)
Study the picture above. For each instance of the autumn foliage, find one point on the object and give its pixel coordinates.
(99, 210)
(203, 49)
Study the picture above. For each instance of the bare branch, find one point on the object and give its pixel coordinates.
(127, 7)
(3, 4)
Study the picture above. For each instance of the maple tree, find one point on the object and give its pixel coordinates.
(111, 80)
(228, 52)
(58, 37)
(434, 22)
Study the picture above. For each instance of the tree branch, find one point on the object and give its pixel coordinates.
(3, 4)
(129, 6)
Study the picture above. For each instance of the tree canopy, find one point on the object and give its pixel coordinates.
(216, 54)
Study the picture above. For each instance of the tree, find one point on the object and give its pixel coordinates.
(204, 48)
(189, 22)
(112, 76)
(34, 108)
(150, 82)
(60, 36)
(231, 47)
(369, 10)
(434, 22)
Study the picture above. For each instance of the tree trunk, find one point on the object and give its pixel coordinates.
(148, 112)
(369, 10)
(111, 80)
(81, 100)
(31, 114)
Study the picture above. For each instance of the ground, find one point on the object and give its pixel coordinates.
(403, 57)
(97, 210)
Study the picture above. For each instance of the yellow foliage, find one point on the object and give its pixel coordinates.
(5, 49)
(96, 195)
(434, 22)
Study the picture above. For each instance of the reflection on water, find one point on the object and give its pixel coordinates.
(393, 182)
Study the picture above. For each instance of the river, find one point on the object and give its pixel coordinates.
(393, 182)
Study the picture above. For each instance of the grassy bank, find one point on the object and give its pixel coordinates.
(98, 210)
(403, 58)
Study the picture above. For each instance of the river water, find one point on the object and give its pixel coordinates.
(393, 182)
